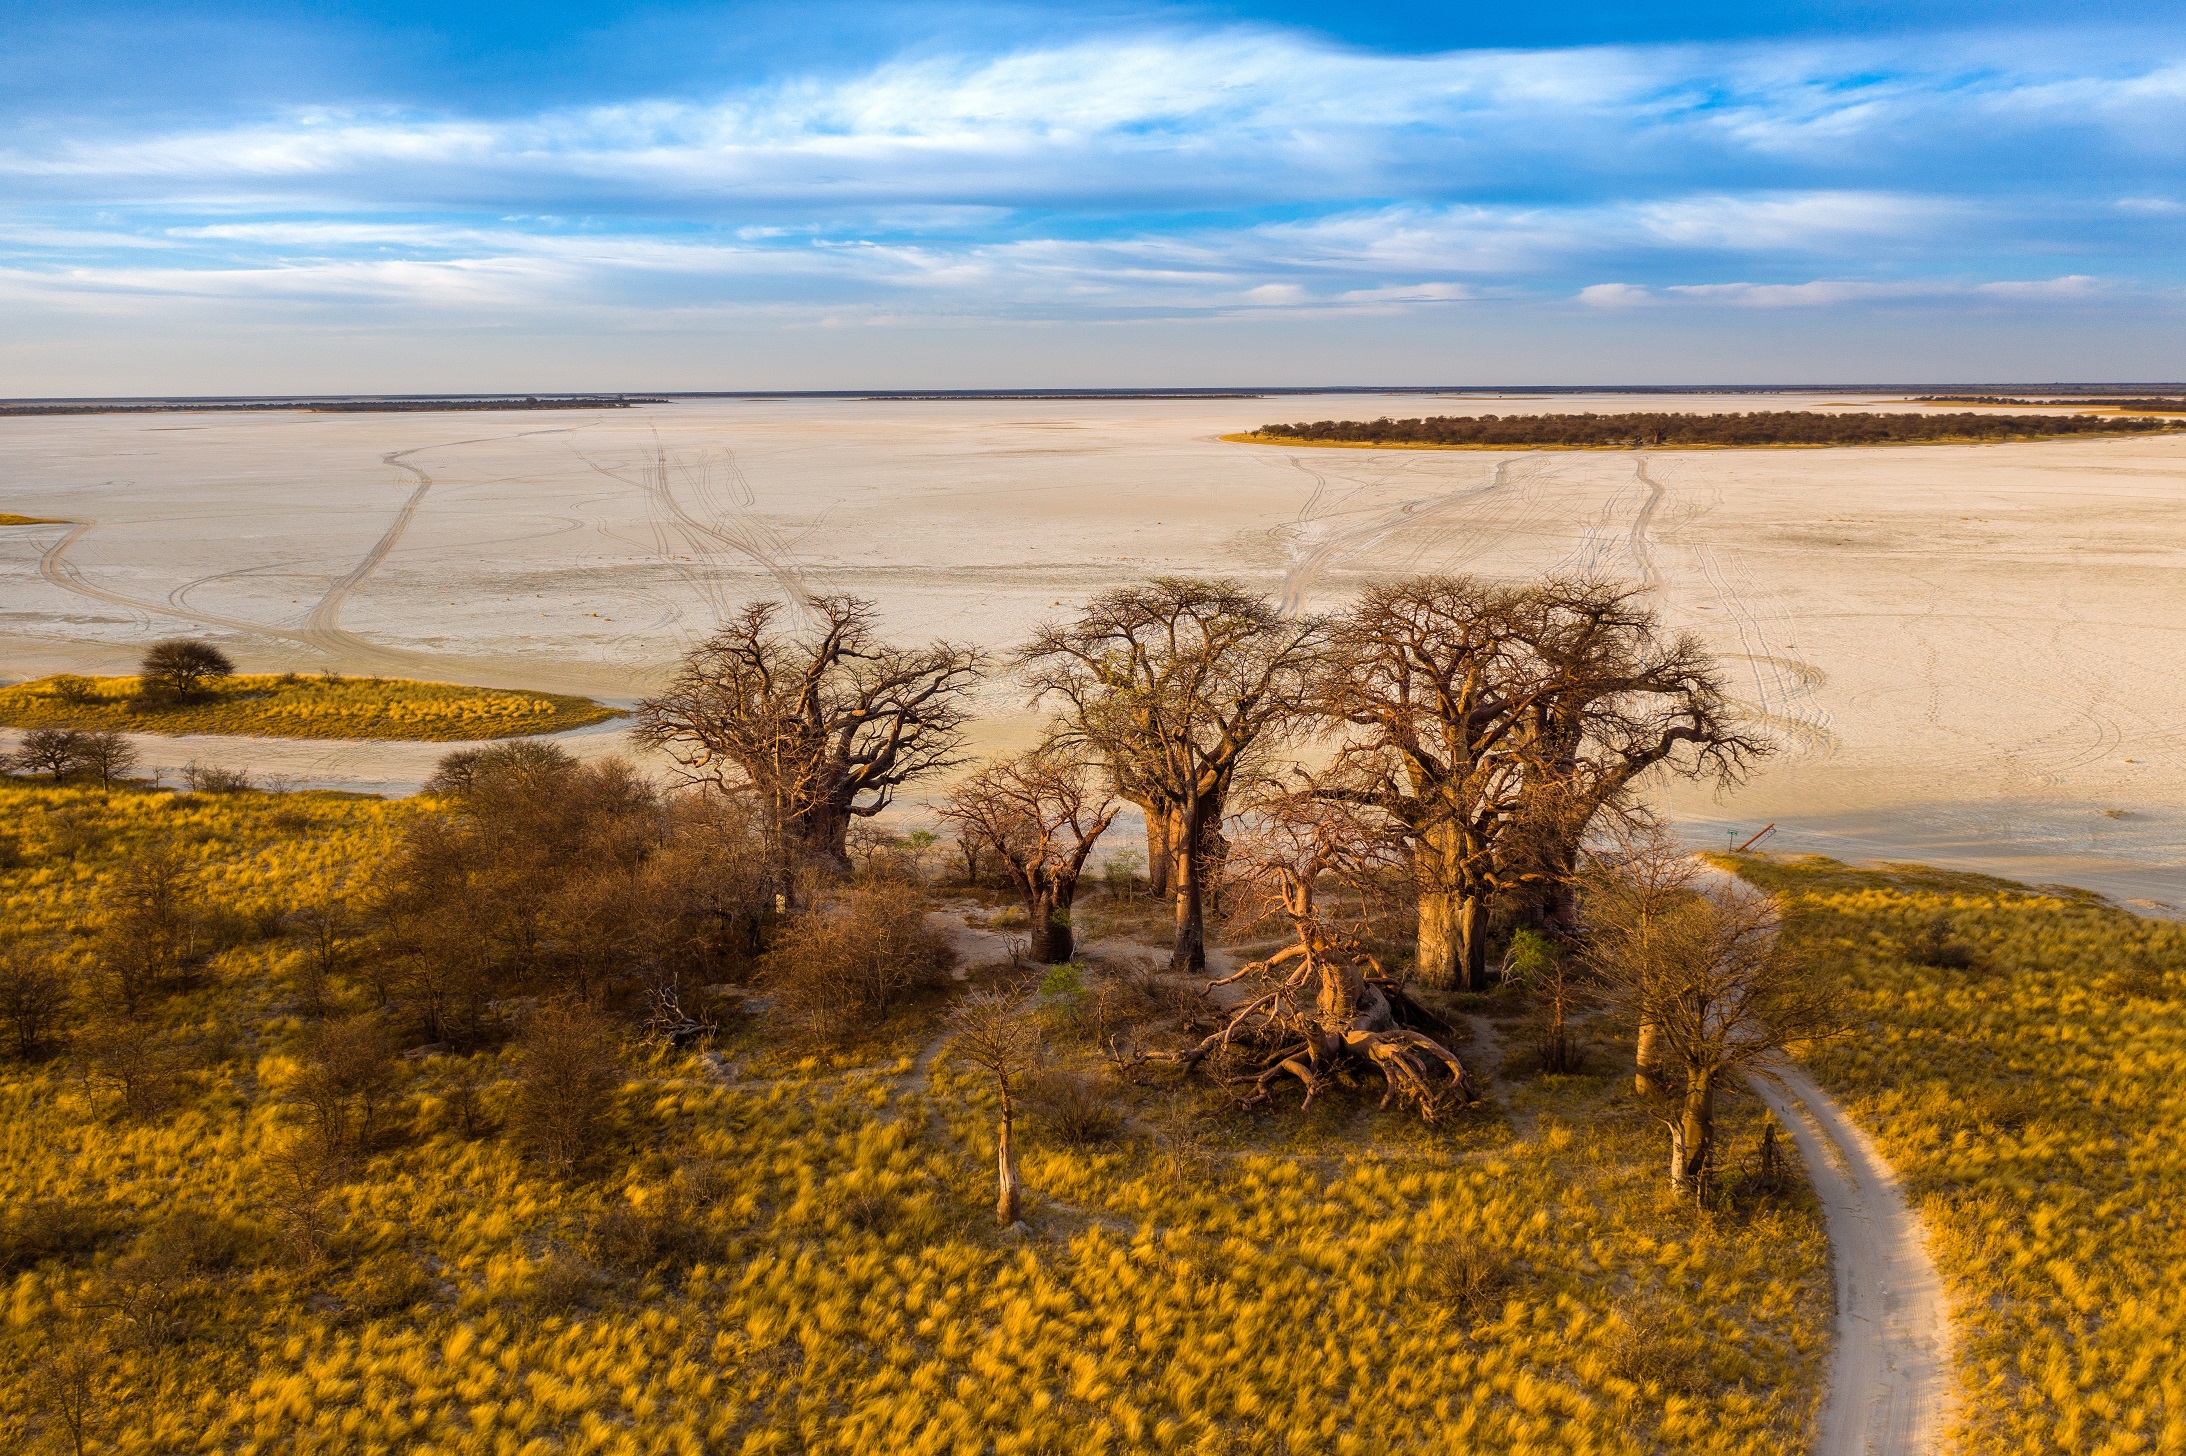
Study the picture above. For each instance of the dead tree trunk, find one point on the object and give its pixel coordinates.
(1319, 1001)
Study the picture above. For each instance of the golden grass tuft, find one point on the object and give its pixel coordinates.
(293, 706)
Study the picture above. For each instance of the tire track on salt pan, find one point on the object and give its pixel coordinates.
(1307, 567)
(323, 623)
(758, 543)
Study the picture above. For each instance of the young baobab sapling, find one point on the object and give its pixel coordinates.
(1707, 970)
(1041, 813)
(1559, 983)
(998, 1033)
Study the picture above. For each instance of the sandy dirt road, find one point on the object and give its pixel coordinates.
(1890, 1374)
(1890, 1377)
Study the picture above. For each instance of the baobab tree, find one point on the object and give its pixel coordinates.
(1041, 814)
(1699, 964)
(1323, 999)
(1434, 683)
(818, 727)
(1171, 687)
(996, 1032)
(1618, 697)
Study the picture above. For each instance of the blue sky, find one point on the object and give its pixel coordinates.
(248, 197)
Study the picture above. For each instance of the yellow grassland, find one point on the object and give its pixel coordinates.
(2034, 1104)
(1205, 1283)
(9, 518)
(296, 706)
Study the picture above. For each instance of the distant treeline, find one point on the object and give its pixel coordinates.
(2079, 402)
(1761, 427)
(318, 406)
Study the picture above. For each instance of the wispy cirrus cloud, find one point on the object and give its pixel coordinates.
(1225, 173)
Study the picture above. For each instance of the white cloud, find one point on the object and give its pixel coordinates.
(1615, 295)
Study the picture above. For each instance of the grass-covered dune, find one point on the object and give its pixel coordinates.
(9, 518)
(2022, 1062)
(293, 706)
(794, 1250)
(1688, 431)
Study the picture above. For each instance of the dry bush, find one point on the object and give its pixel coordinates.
(297, 1181)
(384, 1285)
(666, 1231)
(34, 997)
(150, 940)
(68, 1387)
(154, 1290)
(1937, 946)
(40, 1229)
(1655, 1348)
(837, 968)
(1073, 1108)
(208, 778)
(125, 1058)
(348, 1074)
(565, 1085)
(560, 1284)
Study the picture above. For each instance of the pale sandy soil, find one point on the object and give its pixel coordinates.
(1967, 650)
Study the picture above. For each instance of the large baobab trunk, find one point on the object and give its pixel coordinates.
(1453, 941)
(1160, 851)
(1052, 940)
(1453, 946)
(1692, 1137)
(1190, 955)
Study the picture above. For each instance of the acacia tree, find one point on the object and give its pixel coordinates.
(1323, 999)
(55, 751)
(1171, 687)
(1041, 813)
(179, 667)
(1432, 677)
(819, 728)
(1617, 698)
(108, 754)
(1704, 967)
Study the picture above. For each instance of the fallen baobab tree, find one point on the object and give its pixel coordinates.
(1321, 1006)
